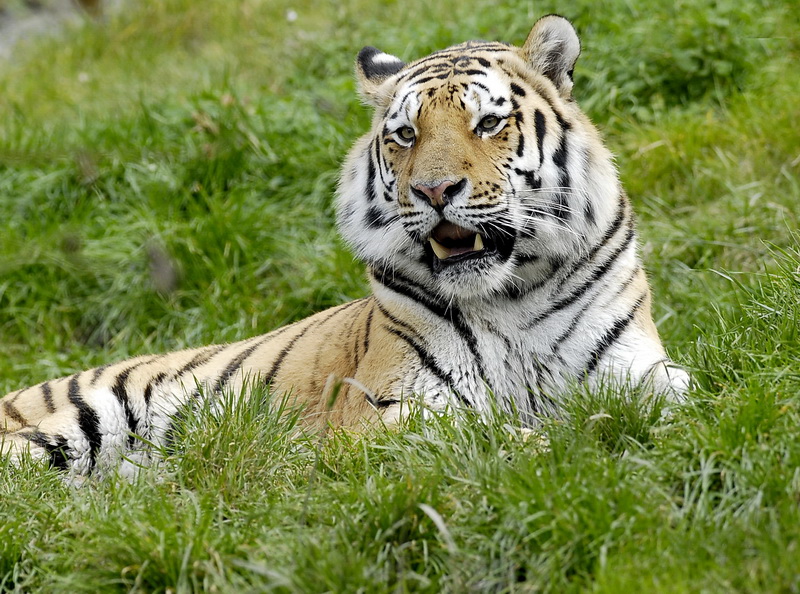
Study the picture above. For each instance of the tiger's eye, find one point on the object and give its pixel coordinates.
(490, 122)
(406, 133)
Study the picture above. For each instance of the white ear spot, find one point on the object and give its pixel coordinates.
(373, 68)
(392, 61)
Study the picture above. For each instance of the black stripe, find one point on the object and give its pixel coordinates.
(368, 328)
(57, 453)
(119, 390)
(397, 321)
(532, 180)
(236, 363)
(377, 146)
(402, 285)
(565, 125)
(545, 94)
(576, 319)
(56, 448)
(488, 206)
(353, 320)
(410, 76)
(370, 183)
(148, 391)
(276, 365)
(611, 335)
(12, 412)
(470, 72)
(599, 272)
(404, 99)
(540, 123)
(383, 403)
(518, 90)
(523, 259)
(560, 209)
(47, 394)
(408, 288)
(395, 114)
(421, 81)
(576, 294)
(448, 312)
(588, 212)
(98, 371)
(88, 421)
(423, 69)
(481, 86)
(375, 219)
(584, 159)
(202, 357)
(428, 361)
(457, 53)
(615, 226)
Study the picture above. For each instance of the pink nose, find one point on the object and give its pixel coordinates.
(434, 193)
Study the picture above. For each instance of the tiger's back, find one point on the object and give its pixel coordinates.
(501, 251)
(88, 420)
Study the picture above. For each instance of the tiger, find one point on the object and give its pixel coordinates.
(501, 253)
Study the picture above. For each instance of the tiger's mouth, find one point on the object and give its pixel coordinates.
(448, 240)
(450, 245)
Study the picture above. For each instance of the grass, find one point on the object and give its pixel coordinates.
(166, 178)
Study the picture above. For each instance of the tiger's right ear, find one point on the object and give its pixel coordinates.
(552, 48)
(373, 68)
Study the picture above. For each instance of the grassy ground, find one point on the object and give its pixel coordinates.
(166, 179)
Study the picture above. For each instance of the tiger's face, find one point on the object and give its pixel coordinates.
(442, 143)
(479, 169)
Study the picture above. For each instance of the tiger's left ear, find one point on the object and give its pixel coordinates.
(552, 48)
(373, 68)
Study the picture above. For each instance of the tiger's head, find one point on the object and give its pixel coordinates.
(480, 172)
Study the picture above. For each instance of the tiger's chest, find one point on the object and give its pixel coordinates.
(486, 361)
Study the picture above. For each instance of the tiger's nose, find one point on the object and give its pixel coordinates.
(439, 195)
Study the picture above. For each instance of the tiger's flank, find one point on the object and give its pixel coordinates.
(502, 254)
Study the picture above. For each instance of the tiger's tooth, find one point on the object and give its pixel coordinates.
(441, 252)
(478, 245)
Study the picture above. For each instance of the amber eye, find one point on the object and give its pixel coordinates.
(406, 134)
(488, 123)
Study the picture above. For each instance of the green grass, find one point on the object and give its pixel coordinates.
(166, 180)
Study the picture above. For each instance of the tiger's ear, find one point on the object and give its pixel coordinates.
(373, 67)
(552, 48)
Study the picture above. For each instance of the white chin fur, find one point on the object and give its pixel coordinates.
(477, 285)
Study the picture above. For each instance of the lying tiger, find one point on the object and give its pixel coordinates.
(500, 248)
